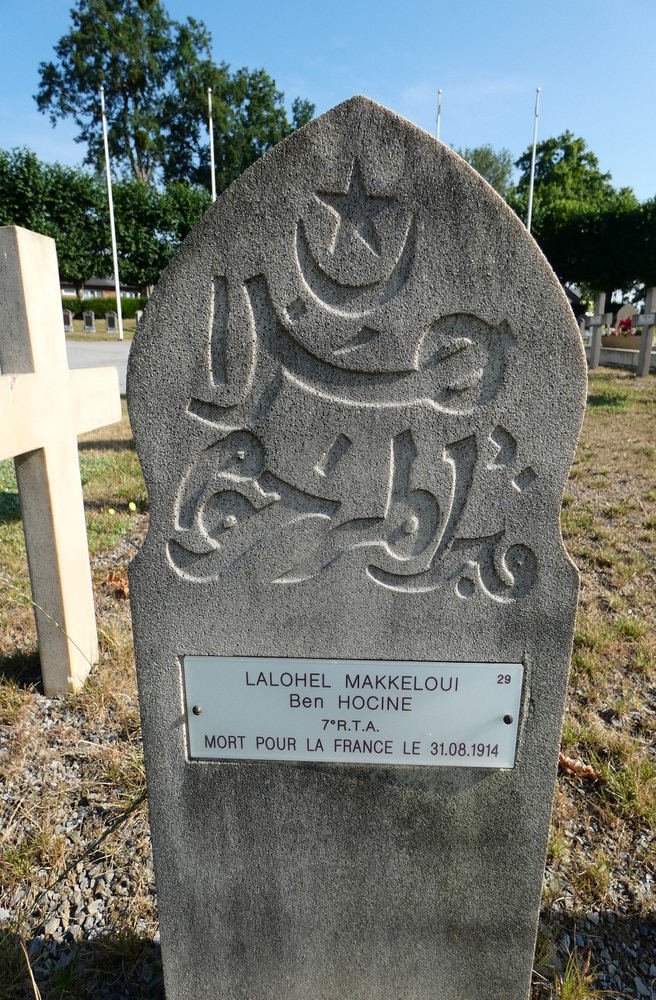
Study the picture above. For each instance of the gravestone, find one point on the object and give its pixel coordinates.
(353, 611)
(89, 318)
(111, 323)
(68, 321)
(43, 408)
(626, 311)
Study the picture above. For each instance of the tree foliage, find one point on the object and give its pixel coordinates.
(70, 205)
(156, 72)
(249, 118)
(495, 166)
(61, 202)
(587, 229)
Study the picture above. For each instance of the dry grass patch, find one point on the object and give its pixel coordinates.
(73, 802)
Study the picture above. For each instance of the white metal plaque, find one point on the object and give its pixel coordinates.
(352, 711)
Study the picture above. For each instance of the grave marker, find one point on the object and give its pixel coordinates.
(68, 321)
(111, 322)
(646, 321)
(89, 318)
(597, 323)
(43, 408)
(626, 311)
(353, 612)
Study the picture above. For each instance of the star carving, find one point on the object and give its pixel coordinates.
(356, 213)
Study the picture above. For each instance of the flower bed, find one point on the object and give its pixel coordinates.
(631, 343)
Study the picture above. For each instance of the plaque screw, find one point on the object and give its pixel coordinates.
(507, 719)
(241, 455)
(197, 710)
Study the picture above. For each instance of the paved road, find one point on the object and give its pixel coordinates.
(96, 355)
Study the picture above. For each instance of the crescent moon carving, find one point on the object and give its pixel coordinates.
(352, 301)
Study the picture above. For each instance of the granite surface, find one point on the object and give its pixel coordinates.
(355, 395)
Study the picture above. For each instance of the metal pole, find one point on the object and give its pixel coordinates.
(439, 113)
(117, 286)
(211, 130)
(535, 140)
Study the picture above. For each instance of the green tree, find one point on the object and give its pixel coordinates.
(567, 179)
(150, 225)
(302, 112)
(645, 237)
(249, 118)
(62, 202)
(495, 166)
(143, 251)
(183, 206)
(155, 72)
(76, 210)
(23, 185)
(584, 226)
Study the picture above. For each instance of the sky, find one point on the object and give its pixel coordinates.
(592, 60)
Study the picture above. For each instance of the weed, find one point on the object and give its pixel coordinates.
(609, 401)
(629, 626)
(577, 980)
(592, 881)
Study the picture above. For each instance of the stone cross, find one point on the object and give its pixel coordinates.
(353, 612)
(647, 321)
(43, 408)
(598, 321)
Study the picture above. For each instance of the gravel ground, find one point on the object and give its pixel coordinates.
(84, 910)
(70, 769)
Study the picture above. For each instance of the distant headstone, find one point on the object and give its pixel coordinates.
(68, 321)
(89, 318)
(625, 312)
(353, 612)
(43, 407)
(111, 322)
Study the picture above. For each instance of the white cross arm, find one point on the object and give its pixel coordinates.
(28, 419)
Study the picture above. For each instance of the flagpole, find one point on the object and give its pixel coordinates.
(211, 131)
(112, 228)
(439, 113)
(535, 139)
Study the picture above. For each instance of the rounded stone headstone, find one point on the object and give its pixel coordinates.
(355, 395)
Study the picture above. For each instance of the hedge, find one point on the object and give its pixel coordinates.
(101, 306)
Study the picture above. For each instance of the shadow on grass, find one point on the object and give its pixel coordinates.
(109, 445)
(22, 669)
(114, 966)
(9, 507)
(610, 402)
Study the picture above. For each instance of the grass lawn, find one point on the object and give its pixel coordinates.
(129, 328)
(83, 754)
